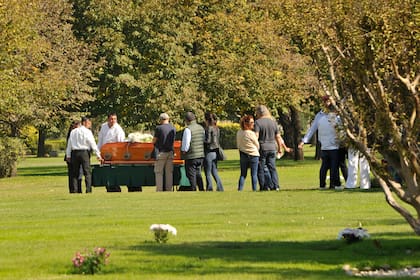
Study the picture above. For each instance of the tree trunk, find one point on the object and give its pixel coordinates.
(296, 132)
(13, 169)
(41, 142)
(290, 122)
(14, 130)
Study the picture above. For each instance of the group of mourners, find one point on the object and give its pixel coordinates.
(259, 143)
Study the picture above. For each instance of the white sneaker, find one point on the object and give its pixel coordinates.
(339, 188)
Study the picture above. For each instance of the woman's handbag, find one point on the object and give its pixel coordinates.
(220, 154)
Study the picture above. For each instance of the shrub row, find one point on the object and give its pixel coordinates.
(55, 145)
(11, 149)
(228, 132)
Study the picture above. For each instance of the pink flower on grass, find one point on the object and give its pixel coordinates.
(90, 262)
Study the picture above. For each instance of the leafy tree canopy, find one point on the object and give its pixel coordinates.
(43, 68)
(175, 56)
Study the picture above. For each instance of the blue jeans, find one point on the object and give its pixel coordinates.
(247, 161)
(268, 160)
(210, 168)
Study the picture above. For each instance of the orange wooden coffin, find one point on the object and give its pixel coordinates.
(127, 152)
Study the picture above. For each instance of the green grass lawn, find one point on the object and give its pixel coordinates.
(289, 234)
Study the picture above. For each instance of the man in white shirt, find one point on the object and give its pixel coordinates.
(111, 132)
(79, 146)
(326, 122)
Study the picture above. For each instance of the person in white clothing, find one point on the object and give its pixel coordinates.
(357, 162)
(326, 123)
(111, 132)
(74, 124)
(79, 146)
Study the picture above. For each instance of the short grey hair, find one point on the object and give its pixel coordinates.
(261, 110)
(164, 116)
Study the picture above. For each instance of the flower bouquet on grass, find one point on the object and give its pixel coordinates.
(161, 232)
(351, 235)
(90, 262)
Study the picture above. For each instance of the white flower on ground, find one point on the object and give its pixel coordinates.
(163, 227)
(353, 234)
(161, 232)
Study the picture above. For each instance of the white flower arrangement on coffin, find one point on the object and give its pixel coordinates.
(138, 137)
(161, 232)
(351, 235)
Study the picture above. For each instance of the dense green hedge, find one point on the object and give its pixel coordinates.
(228, 132)
(11, 149)
(55, 145)
(29, 136)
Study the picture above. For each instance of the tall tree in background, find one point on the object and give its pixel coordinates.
(187, 55)
(17, 42)
(60, 83)
(44, 69)
(147, 68)
(246, 62)
(367, 58)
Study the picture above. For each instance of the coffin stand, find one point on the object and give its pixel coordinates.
(132, 164)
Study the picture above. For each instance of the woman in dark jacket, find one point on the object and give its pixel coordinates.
(211, 145)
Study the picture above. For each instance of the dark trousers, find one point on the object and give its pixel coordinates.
(79, 181)
(342, 152)
(330, 160)
(81, 158)
(193, 172)
(268, 161)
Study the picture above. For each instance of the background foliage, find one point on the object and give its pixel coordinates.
(174, 56)
(61, 59)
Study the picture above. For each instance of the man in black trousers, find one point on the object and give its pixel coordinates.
(80, 144)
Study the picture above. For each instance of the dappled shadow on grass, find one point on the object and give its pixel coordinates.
(43, 171)
(295, 259)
